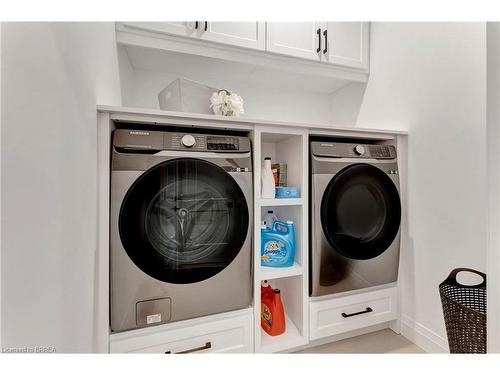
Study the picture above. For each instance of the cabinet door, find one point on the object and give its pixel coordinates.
(241, 34)
(188, 28)
(348, 44)
(300, 39)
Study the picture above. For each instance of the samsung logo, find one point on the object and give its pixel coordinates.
(138, 133)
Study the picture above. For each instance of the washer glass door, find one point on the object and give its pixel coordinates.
(184, 221)
(360, 212)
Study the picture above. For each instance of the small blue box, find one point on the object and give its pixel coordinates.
(287, 192)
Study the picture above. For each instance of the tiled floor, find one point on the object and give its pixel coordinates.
(384, 341)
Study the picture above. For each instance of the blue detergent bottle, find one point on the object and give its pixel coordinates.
(278, 245)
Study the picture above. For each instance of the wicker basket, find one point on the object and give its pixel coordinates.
(464, 309)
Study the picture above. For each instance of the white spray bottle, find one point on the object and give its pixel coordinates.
(267, 177)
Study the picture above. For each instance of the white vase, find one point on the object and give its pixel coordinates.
(267, 178)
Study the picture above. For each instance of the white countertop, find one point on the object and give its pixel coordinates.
(159, 116)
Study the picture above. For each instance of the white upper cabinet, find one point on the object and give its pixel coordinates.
(340, 47)
(299, 39)
(339, 43)
(348, 44)
(240, 34)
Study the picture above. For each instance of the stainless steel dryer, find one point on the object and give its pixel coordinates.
(355, 216)
(180, 226)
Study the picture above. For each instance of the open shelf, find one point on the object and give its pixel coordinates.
(296, 307)
(291, 338)
(281, 202)
(285, 148)
(268, 273)
(294, 213)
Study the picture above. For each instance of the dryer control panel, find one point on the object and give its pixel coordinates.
(352, 150)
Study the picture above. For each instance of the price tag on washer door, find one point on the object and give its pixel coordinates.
(156, 318)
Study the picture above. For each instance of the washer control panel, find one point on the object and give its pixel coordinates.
(183, 141)
(150, 141)
(223, 143)
(382, 152)
(205, 142)
(188, 140)
(352, 150)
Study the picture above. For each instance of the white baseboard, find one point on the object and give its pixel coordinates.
(423, 337)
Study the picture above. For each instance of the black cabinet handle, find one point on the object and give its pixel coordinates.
(368, 309)
(206, 25)
(325, 34)
(208, 345)
(196, 25)
(319, 40)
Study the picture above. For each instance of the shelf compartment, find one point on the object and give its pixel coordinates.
(296, 334)
(294, 213)
(269, 273)
(288, 149)
(290, 339)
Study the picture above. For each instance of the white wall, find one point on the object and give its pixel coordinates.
(53, 77)
(431, 79)
(493, 136)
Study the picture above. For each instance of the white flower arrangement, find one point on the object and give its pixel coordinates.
(226, 103)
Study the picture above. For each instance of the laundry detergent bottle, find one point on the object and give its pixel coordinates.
(278, 245)
(272, 319)
(269, 219)
(265, 289)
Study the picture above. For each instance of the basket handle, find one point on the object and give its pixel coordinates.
(452, 278)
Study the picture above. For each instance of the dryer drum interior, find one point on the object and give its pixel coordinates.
(360, 212)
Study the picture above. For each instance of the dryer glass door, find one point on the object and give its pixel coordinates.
(184, 221)
(360, 212)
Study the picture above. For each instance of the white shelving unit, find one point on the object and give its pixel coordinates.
(284, 142)
(283, 145)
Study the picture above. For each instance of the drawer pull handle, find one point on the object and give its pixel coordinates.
(319, 40)
(368, 309)
(208, 345)
(325, 34)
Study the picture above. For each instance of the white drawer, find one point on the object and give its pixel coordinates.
(215, 334)
(342, 314)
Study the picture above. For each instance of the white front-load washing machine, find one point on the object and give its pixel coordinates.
(355, 216)
(180, 226)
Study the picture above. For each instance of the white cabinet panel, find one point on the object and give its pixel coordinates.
(202, 335)
(241, 34)
(176, 28)
(348, 44)
(342, 314)
(300, 39)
